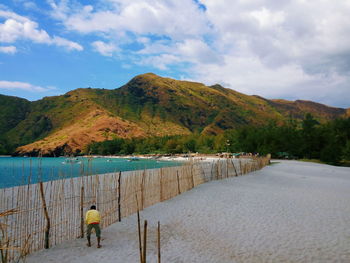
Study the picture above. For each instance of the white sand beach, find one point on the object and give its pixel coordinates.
(288, 212)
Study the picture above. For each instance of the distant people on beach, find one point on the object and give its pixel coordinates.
(92, 219)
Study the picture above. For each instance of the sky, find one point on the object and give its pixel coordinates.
(285, 49)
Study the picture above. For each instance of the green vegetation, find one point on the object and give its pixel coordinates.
(329, 142)
(13, 110)
(156, 106)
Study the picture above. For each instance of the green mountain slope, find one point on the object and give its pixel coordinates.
(12, 111)
(148, 105)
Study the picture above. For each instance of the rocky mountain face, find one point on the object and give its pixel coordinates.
(148, 105)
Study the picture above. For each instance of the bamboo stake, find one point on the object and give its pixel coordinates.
(211, 171)
(144, 242)
(139, 230)
(47, 229)
(240, 166)
(161, 185)
(178, 182)
(159, 242)
(142, 190)
(217, 169)
(233, 164)
(119, 197)
(227, 167)
(82, 212)
(192, 175)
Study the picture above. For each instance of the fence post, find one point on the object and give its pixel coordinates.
(240, 166)
(142, 189)
(178, 182)
(217, 169)
(119, 196)
(139, 231)
(158, 242)
(82, 212)
(226, 167)
(161, 185)
(144, 242)
(47, 229)
(233, 164)
(192, 176)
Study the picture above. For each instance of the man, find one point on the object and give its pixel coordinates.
(92, 220)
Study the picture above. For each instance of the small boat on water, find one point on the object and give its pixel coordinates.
(132, 159)
(71, 160)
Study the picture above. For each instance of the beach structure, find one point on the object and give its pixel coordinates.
(46, 214)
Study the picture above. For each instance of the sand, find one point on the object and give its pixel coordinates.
(288, 212)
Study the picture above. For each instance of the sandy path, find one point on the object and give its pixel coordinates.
(288, 212)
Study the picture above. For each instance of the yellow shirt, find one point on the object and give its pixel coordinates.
(92, 216)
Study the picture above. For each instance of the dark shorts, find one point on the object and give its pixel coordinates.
(97, 229)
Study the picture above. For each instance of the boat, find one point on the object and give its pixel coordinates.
(131, 159)
(71, 160)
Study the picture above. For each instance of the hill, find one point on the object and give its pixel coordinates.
(148, 105)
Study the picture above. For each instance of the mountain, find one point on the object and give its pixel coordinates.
(148, 105)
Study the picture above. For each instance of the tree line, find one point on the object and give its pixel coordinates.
(329, 142)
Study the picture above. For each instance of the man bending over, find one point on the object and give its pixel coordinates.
(92, 220)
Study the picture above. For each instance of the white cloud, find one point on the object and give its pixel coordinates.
(161, 62)
(70, 45)
(8, 49)
(271, 48)
(105, 49)
(59, 8)
(267, 18)
(16, 27)
(170, 18)
(16, 85)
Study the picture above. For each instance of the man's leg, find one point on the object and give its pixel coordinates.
(98, 234)
(88, 235)
(98, 242)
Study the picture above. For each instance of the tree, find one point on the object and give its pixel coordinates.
(346, 151)
(310, 147)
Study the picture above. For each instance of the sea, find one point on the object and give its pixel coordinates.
(16, 171)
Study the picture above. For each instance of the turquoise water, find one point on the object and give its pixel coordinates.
(23, 170)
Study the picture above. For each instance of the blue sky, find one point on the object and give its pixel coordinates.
(276, 49)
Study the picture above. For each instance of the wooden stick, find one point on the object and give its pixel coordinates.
(178, 182)
(240, 166)
(82, 212)
(226, 167)
(142, 190)
(217, 169)
(144, 241)
(47, 229)
(119, 197)
(161, 185)
(233, 164)
(158, 242)
(139, 229)
(192, 176)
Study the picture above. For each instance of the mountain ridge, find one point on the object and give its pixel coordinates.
(148, 105)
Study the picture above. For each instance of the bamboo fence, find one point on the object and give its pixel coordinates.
(47, 214)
